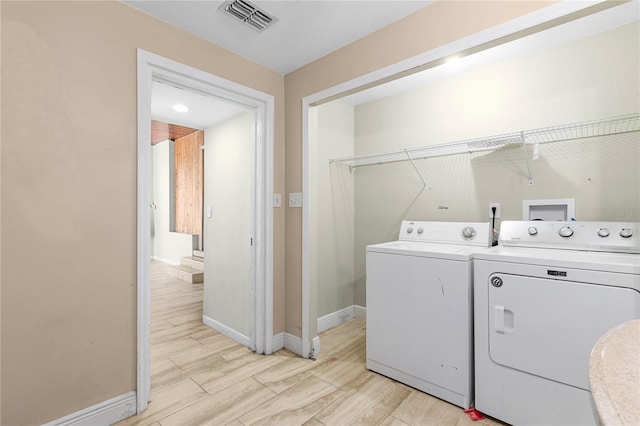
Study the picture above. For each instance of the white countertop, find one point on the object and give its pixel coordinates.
(614, 375)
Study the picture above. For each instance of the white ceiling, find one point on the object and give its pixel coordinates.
(305, 30)
(206, 111)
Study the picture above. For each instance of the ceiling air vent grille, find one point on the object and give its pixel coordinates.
(248, 13)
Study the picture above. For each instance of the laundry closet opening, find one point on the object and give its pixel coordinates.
(553, 115)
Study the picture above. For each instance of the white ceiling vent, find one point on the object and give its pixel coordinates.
(248, 13)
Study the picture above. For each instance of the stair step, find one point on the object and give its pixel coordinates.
(198, 253)
(187, 274)
(193, 262)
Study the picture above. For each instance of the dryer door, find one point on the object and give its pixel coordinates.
(548, 327)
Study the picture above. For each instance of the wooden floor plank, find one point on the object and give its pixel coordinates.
(200, 377)
(222, 407)
(234, 371)
(294, 406)
(286, 374)
(370, 401)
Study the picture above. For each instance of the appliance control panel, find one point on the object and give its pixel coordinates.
(467, 233)
(614, 237)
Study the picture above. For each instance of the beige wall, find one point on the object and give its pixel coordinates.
(69, 196)
(435, 25)
(331, 208)
(592, 78)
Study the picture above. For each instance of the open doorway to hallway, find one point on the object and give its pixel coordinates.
(236, 188)
(201, 205)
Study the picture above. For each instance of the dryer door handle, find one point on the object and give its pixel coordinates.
(503, 320)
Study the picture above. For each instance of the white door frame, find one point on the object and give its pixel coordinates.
(432, 57)
(152, 66)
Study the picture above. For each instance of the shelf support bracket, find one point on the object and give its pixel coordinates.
(526, 157)
(424, 184)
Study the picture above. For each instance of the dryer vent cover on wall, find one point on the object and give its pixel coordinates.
(248, 13)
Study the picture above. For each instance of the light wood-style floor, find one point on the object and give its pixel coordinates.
(199, 376)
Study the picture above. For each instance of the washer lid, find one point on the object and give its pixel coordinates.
(433, 250)
(587, 260)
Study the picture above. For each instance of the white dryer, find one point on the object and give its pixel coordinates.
(543, 297)
(419, 307)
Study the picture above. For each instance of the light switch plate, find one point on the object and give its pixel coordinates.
(295, 199)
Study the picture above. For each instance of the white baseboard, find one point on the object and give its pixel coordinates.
(163, 260)
(227, 331)
(315, 346)
(104, 413)
(338, 317)
(293, 343)
(359, 312)
(278, 341)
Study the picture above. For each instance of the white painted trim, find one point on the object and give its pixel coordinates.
(315, 346)
(278, 342)
(359, 312)
(306, 266)
(151, 66)
(163, 260)
(554, 11)
(293, 343)
(143, 385)
(335, 318)
(104, 413)
(341, 316)
(227, 331)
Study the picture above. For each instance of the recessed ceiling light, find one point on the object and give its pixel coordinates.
(180, 108)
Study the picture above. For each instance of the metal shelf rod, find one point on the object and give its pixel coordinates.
(602, 127)
(424, 184)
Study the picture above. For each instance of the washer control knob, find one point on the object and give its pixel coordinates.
(496, 282)
(468, 233)
(533, 230)
(409, 230)
(626, 232)
(420, 230)
(565, 231)
(603, 232)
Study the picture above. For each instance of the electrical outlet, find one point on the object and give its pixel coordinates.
(497, 206)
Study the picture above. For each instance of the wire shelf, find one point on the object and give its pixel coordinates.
(602, 127)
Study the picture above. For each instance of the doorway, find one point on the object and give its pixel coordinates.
(259, 241)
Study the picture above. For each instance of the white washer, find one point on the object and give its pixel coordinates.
(543, 297)
(419, 307)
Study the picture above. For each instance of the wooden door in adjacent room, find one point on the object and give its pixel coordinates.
(189, 184)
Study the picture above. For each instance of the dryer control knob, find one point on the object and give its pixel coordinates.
(420, 230)
(533, 230)
(626, 232)
(603, 232)
(565, 231)
(468, 233)
(409, 230)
